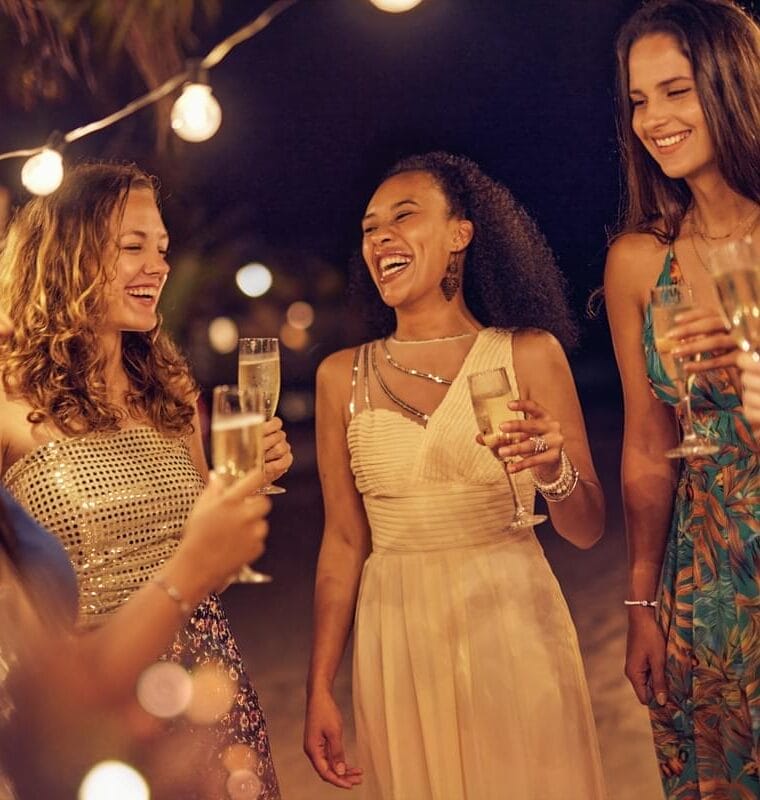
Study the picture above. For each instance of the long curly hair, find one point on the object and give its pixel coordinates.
(510, 278)
(722, 43)
(53, 273)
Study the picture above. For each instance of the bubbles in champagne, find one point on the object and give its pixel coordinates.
(237, 444)
(261, 372)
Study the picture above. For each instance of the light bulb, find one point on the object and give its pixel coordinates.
(196, 114)
(395, 6)
(43, 173)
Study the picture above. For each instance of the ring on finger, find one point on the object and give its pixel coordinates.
(540, 445)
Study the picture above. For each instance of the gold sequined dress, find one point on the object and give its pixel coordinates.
(118, 502)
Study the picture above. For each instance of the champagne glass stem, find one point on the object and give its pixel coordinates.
(519, 511)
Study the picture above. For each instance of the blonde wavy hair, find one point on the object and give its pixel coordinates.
(53, 274)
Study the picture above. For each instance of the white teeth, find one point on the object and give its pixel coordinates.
(393, 263)
(671, 140)
(143, 292)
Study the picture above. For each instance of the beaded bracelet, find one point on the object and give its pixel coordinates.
(175, 595)
(560, 489)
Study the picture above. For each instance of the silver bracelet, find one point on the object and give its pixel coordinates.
(563, 486)
(175, 595)
(646, 603)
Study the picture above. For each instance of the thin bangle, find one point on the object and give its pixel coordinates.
(175, 595)
(646, 603)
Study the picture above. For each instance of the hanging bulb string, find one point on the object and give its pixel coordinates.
(212, 59)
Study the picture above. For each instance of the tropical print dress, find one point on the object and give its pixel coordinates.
(707, 735)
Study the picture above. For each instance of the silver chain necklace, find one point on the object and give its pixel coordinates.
(389, 394)
(417, 373)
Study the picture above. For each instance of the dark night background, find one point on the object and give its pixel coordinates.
(319, 104)
(315, 108)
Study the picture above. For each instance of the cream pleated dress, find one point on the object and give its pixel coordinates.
(468, 680)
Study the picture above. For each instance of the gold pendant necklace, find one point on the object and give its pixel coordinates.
(417, 373)
(750, 221)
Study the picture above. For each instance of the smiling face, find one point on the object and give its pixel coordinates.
(409, 235)
(136, 263)
(667, 114)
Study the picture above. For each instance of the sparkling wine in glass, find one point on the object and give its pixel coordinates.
(259, 368)
(491, 394)
(667, 302)
(735, 269)
(237, 433)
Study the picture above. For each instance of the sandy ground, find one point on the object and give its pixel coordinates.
(273, 626)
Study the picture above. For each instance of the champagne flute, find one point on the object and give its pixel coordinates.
(491, 393)
(259, 368)
(667, 302)
(735, 269)
(237, 433)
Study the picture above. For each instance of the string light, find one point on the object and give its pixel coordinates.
(113, 780)
(196, 114)
(395, 6)
(197, 119)
(43, 172)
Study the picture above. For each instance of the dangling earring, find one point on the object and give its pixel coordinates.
(451, 282)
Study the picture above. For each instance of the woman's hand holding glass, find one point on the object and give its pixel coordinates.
(278, 456)
(749, 364)
(534, 442)
(704, 340)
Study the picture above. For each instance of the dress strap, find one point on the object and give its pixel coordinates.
(360, 365)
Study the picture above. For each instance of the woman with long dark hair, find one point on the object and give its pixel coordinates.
(689, 116)
(467, 678)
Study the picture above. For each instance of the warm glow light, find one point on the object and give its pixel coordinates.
(213, 694)
(395, 6)
(300, 315)
(223, 334)
(164, 690)
(113, 780)
(253, 280)
(293, 338)
(43, 173)
(243, 784)
(196, 115)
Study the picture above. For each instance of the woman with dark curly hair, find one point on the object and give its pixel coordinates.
(689, 116)
(468, 682)
(99, 434)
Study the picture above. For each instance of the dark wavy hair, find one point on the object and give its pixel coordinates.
(7, 534)
(53, 273)
(722, 43)
(510, 279)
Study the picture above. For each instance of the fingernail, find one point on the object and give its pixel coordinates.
(512, 403)
(662, 698)
(340, 768)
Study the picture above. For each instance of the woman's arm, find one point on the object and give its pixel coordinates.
(345, 547)
(548, 389)
(648, 477)
(225, 530)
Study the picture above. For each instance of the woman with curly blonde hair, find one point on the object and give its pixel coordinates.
(99, 432)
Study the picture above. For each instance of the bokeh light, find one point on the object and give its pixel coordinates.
(42, 173)
(300, 315)
(293, 338)
(254, 280)
(223, 334)
(213, 694)
(113, 780)
(196, 114)
(243, 784)
(395, 6)
(164, 690)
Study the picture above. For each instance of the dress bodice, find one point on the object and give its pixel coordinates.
(116, 501)
(435, 486)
